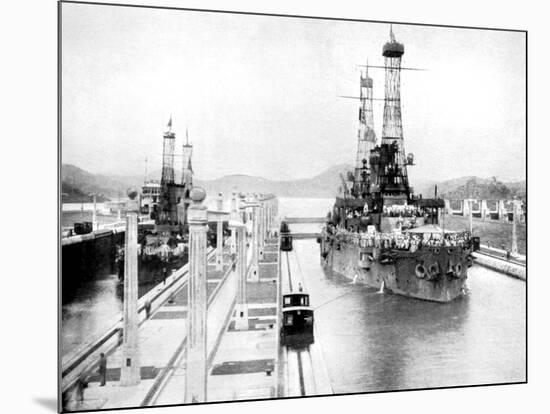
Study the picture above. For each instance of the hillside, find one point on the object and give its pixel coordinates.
(324, 185)
(77, 183)
(481, 188)
(70, 194)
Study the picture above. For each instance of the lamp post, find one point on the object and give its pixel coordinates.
(196, 373)
(130, 369)
(514, 251)
(219, 236)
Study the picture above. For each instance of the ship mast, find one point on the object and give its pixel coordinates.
(366, 138)
(187, 171)
(166, 204)
(395, 182)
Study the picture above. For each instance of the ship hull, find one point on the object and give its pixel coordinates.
(430, 273)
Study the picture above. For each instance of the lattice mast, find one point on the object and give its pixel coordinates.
(366, 138)
(187, 172)
(167, 176)
(166, 206)
(392, 129)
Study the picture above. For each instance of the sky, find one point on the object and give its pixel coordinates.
(259, 94)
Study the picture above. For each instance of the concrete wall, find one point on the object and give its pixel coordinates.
(510, 269)
(495, 210)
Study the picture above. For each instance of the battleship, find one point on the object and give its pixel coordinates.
(163, 246)
(379, 233)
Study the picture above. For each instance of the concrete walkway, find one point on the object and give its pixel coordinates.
(244, 367)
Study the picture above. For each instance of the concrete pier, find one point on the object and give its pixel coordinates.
(130, 369)
(496, 259)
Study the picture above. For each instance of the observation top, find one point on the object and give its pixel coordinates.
(366, 82)
(393, 48)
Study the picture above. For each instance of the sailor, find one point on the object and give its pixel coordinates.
(81, 384)
(103, 369)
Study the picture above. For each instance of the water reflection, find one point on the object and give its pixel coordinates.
(95, 306)
(96, 302)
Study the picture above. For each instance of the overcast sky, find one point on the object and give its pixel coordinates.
(259, 93)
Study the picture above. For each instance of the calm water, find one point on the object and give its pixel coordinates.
(373, 341)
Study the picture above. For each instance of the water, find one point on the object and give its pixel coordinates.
(96, 305)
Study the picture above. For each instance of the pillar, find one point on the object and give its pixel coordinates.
(254, 269)
(515, 210)
(219, 237)
(196, 372)
(94, 215)
(130, 369)
(261, 230)
(241, 309)
(484, 209)
(470, 205)
(234, 216)
(466, 208)
(502, 213)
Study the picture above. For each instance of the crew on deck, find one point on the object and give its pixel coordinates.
(401, 241)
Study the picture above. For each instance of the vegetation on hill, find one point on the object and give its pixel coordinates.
(77, 182)
(70, 194)
(480, 188)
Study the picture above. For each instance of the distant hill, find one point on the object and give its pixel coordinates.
(479, 188)
(324, 185)
(77, 182)
(71, 194)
